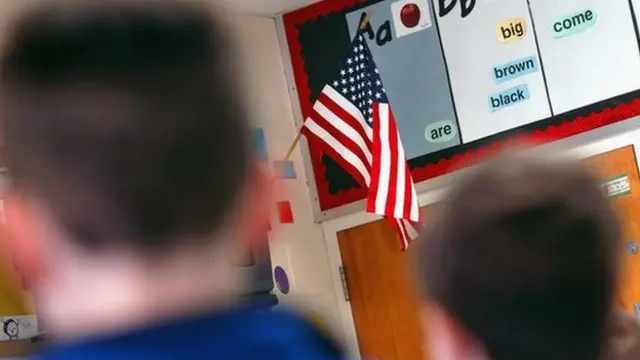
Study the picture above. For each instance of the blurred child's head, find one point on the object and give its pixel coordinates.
(126, 139)
(519, 263)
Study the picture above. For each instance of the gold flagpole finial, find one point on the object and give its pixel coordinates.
(365, 21)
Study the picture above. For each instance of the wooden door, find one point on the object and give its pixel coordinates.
(383, 300)
(612, 165)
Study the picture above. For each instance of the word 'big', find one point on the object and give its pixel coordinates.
(511, 30)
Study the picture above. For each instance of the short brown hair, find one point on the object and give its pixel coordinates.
(124, 118)
(523, 254)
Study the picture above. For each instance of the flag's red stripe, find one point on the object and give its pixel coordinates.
(339, 135)
(399, 226)
(405, 238)
(376, 151)
(346, 117)
(344, 164)
(393, 166)
(345, 140)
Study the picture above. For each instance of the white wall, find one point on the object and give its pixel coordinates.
(299, 247)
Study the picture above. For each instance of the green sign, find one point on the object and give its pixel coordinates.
(441, 131)
(573, 23)
(618, 186)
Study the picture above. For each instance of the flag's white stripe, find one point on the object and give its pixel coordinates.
(347, 154)
(403, 233)
(349, 107)
(343, 127)
(415, 207)
(400, 173)
(385, 159)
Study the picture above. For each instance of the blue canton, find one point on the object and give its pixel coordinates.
(359, 79)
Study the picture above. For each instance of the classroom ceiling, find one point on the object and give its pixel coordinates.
(270, 7)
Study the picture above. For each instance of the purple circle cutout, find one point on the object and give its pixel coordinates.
(281, 279)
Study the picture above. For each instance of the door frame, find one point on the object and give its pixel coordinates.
(581, 146)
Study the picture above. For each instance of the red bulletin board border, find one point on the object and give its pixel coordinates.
(328, 201)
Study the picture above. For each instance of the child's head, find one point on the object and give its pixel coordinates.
(124, 132)
(520, 263)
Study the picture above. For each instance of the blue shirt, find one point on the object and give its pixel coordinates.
(236, 335)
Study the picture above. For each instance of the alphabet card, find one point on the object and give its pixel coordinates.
(406, 47)
(493, 64)
(588, 48)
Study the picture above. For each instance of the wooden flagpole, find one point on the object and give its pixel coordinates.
(362, 26)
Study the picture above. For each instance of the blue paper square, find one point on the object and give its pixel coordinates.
(259, 144)
(284, 170)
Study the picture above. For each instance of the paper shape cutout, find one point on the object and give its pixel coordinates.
(259, 144)
(281, 280)
(515, 69)
(285, 213)
(509, 97)
(410, 16)
(284, 170)
(573, 23)
(441, 131)
(511, 30)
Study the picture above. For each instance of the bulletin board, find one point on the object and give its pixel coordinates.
(496, 71)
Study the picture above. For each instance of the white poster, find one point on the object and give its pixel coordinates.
(588, 48)
(494, 69)
(636, 7)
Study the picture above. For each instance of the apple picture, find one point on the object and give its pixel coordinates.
(410, 15)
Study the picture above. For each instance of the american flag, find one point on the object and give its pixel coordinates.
(353, 122)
